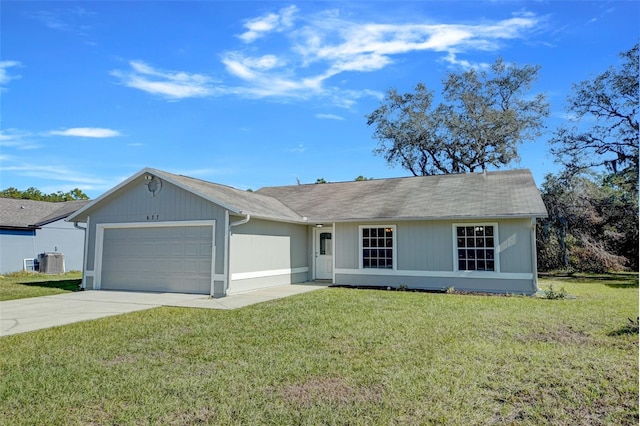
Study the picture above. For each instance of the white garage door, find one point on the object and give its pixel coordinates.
(166, 258)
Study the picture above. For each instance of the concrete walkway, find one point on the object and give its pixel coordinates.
(35, 313)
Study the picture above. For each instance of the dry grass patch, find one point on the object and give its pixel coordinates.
(330, 390)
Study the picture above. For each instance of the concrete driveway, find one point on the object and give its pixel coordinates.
(22, 315)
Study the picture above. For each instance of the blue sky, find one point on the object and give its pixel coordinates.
(254, 94)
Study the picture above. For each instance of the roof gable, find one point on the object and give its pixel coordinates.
(235, 200)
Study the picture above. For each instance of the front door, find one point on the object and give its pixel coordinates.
(324, 254)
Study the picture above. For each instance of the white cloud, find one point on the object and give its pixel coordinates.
(86, 132)
(170, 84)
(319, 47)
(4, 75)
(18, 139)
(299, 149)
(353, 46)
(327, 45)
(57, 173)
(329, 117)
(259, 27)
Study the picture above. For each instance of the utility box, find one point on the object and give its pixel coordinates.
(51, 263)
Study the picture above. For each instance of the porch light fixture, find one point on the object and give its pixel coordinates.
(319, 225)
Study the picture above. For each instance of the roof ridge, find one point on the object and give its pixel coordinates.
(442, 175)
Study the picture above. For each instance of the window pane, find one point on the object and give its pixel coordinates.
(365, 243)
(471, 242)
(460, 231)
(374, 242)
(471, 265)
(479, 231)
(389, 263)
(325, 243)
(481, 265)
(389, 232)
(480, 254)
(365, 253)
(471, 254)
(374, 232)
(365, 263)
(382, 263)
(462, 265)
(490, 265)
(389, 254)
(490, 242)
(389, 242)
(489, 254)
(381, 232)
(489, 231)
(479, 242)
(365, 232)
(374, 263)
(461, 242)
(470, 231)
(381, 242)
(462, 254)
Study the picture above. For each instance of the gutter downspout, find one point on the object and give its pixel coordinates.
(246, 219)
(534, 256)
(83, 285)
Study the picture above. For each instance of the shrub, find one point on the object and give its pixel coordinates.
(553, 294)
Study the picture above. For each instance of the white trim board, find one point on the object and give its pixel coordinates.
(269, 273)
(438, 274)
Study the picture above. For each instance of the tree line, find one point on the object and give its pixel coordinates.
(486, 114)
(35, 194)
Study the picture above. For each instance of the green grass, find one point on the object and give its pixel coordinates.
(339, 356)
(30, 284)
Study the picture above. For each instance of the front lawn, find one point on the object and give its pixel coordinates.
(339, 356)
(32, 284)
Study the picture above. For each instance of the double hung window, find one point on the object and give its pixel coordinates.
(476, 247)
(377, 247)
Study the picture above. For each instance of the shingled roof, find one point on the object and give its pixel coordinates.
(504, 194)
(28, 214)
(501, 194)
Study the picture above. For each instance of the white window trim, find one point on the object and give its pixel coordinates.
(394, 252)
(496, 245)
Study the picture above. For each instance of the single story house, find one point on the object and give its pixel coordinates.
(159, 231)
(30, 228)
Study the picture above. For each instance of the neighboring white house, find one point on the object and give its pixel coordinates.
(30, 228)
(159, 231)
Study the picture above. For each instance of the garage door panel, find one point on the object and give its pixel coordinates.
(167, 259)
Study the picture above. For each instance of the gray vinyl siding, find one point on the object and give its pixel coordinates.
(428, 245)
(516, 246)
(261, 245)
(425, 246)
(346, 237)
(134, 203)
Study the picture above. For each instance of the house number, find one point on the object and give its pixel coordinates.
(153, 217)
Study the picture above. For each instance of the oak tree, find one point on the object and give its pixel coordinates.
(484, 117)
(603, 130)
